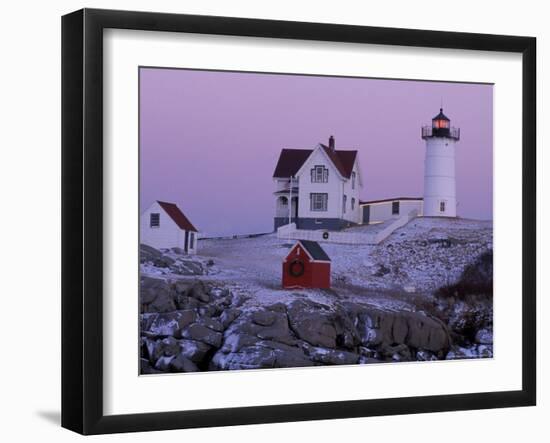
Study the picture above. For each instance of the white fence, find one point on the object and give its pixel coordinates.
(349, 238)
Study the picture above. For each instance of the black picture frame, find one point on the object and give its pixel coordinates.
(82, 215)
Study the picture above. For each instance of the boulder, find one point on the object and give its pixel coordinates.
(277, 330)
(484, 336)
(182, 364)
(263, 318)
(380, 329)
(313, 323)
(156, 295)
(199, 332)
(423, 355)
(156, 349)
(250, 357)
(263, 354)
(146, 368)
(332, 356)
(148, 253)
(228, 316)
(187, 267)
(195, 289)
(194, 350)
(211, 323)
(163, 363)
(167, 324)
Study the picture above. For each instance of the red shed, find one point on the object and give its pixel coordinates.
(307, 265)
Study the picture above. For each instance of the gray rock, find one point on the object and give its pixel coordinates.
(277, 307)
(166, 324)
(459, 353)
(209, 310)
(148, 254)
(166, 347)
(194, 289)
(156, 295)
(234, 342)
(278, 330)
(332, 356)
(485, 351)
(194, 350)
(183, 302)
(263, 318)
(211, 323)
(199, 332)
(187, 267)
(146, 368)
(423, 355)
(163, 363)
(182, 364)
(380, 329)
(313, 323)
(367, 360)
(228, 316)
(264, 354)
(484, 336)
(252, 357)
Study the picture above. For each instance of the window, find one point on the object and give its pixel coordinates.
(353, 204)
(441, 206)
(283, 201)
(191, 240)
(352, 181)
(154, 220)
(344, 203)
(395, 208)
(319, 174)
(318, 202)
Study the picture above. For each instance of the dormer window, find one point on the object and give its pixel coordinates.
(319, 174)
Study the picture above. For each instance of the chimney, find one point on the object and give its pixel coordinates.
(331, 143)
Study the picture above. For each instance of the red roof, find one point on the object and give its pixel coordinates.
(291, 160)
(175, 214)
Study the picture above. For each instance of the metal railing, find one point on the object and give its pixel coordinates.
(430, 131)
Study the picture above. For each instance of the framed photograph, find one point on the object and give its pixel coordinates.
(269, 221)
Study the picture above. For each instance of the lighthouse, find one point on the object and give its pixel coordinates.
(439, 167)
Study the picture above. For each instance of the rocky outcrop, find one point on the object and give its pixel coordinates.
(209, 328)
(466, 306)
(173, 261)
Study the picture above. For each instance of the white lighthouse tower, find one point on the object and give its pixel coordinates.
(439, 167)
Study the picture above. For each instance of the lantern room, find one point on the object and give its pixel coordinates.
(440, 121)
(441, 127)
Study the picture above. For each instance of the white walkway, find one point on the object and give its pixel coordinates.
(359, 235)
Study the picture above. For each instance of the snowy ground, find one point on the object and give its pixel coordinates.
(416, 259)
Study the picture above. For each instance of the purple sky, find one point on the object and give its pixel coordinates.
(210, 140)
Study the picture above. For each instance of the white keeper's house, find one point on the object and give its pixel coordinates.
(317, 188)
(320, 188)
(163, 226)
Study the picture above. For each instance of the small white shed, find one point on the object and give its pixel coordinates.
(377, 211)
(164, 226)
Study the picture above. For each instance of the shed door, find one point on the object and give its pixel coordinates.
(366, 214)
